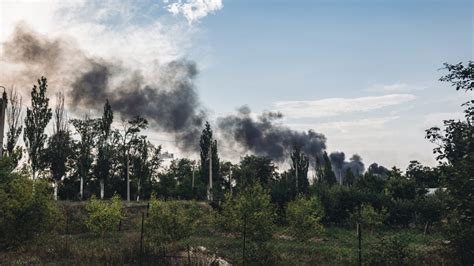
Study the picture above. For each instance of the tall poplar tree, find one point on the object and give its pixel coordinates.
(37, 118)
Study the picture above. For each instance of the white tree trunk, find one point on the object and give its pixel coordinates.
(139, 188)
(81, 188)
(101, 189)
(55, 185)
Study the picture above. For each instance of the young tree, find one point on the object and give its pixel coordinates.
(104, 153)
(37, 118)
(328, 176)
(209, 159)
(59, 148)
(304, 216)
(250, 215)
(128, 137)
(299, 168)
(14, 117)
(144, 158)
(255, 169)
(83, 157)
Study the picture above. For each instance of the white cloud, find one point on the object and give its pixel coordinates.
(194, 10)
(394, 88)
(336, 106)
(366, 124)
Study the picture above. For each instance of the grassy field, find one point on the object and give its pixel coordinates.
(73, 244)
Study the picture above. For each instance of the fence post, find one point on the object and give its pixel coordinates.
(147, 208)
(359, 236)
(120, 225)
(245, 232)
(141, 240)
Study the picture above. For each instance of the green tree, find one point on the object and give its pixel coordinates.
(254, 169)
(328, 176)
(143, 164)
(460, 76)
(103, 166)
(299, 168)
(103, 216)
(26, 211)
(304, 217)
(250, 212)
(14, 116)
(83, 150)
(349, 178)
(170, 221)
(209, 149)
(59, 146)
(37, 118)
(455, 153)
(128, 138)
(369, 217)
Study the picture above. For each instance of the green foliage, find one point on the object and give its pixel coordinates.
(170, 221)
(300, 162)
(460, 76)
(250, 213)
(390, 250)
(26, 209)
(37, 118)
(255, 169)
(304, 217)
(103, 216)
(339, 202)
(369, 217)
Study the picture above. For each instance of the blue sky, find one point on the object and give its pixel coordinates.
(262, 52)
(364, 73)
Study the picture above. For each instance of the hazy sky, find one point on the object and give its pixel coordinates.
(364, 73)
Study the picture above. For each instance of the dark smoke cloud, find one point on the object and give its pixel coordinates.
(169, 102)
(28, 46)
(378, 170)
(263, 136)
(340, 165)
(172, 105)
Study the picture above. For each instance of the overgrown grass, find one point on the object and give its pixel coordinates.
(333, 246)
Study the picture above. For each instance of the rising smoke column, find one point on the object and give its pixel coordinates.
(340, 165)
(169, 100)
(263, 136)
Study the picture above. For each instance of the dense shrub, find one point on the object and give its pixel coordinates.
(369, 217)
(390, 250)
(27, 209)
(304, 216)
(339, 202)
(170, 221)
(103, 216)
(251, 212)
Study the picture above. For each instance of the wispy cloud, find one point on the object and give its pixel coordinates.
(394, 88)
(193, 10)
(345, 126)
(336, 106)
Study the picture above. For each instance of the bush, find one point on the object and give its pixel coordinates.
(170, 221)
(391, 250)
(369, 217)
(251, 212)
(27, 209)
(103, 216)
(304, 216)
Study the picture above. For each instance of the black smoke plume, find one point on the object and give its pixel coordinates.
(169, 102)
(340, 165)
(263, 136)
(172, 105)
